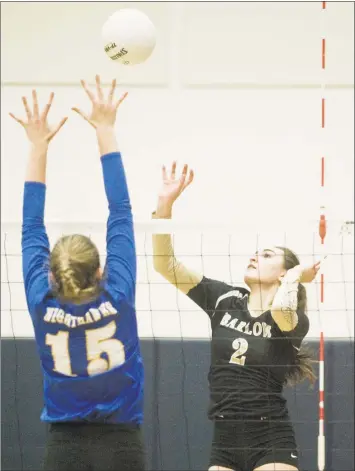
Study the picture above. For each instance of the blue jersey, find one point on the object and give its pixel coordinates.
(89, 353)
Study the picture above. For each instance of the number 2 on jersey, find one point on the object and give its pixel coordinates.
(240, 346)
(98, 341)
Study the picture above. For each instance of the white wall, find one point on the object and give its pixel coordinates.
(232, 89)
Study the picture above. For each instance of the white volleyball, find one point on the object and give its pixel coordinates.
(129, 37)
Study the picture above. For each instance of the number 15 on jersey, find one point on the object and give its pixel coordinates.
(97, 341)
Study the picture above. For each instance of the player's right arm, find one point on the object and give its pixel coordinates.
(203, 291)
(35, 245)
(120, 244)
(164, 259)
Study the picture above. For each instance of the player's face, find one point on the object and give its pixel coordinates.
(265, 267)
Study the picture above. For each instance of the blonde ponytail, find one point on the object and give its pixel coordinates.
(74, 264)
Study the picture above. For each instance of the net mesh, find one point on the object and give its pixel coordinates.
(166, 315)
(221, 253)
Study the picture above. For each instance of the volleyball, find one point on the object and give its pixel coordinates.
(129, 37)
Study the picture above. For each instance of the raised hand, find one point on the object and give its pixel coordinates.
(104, 110)
(309, 272)
(37, 128)
(306, 273)
(172, 186)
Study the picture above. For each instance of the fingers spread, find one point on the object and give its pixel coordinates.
(87, 91)
(183, 182)
(98, 88)
(17, 119)
(27, 109)
(56, 129)
(186, 183)
(82, 114)
(112, 91)
(47, 107)
(183, 176)
(51, 97)
(121, 100)
(173, 170)
(191, 177)
(35, 105)
(62, 122)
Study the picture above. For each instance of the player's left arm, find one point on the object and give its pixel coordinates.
(35, 245)
(120, 244)
(285, 310)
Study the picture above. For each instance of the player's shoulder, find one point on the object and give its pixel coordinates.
(229, 286)
(224, 290)
(232, 292)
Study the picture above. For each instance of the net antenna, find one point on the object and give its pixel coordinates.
(347, 229)
(322, 234)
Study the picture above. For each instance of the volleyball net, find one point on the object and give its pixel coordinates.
(218, 251)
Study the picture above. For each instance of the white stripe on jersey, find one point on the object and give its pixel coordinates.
(236, 293)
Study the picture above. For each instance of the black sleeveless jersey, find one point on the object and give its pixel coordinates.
(250, 356)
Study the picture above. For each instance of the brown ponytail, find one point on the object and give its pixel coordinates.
(302, 368)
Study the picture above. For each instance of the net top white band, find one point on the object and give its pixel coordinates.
(166, 226)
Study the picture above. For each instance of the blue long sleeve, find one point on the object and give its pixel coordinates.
(121, 252)
(35, 245)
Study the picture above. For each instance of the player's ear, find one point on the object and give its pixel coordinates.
(99, 273)
(282, 275)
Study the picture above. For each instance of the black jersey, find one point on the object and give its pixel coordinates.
(250, 356)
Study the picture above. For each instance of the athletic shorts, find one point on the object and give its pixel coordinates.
(245, 444)
(94, 447)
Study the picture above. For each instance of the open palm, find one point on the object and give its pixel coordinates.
(172, 187)
(104, 110)
(37, 128)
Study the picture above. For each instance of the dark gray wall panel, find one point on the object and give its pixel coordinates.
(176, 429)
